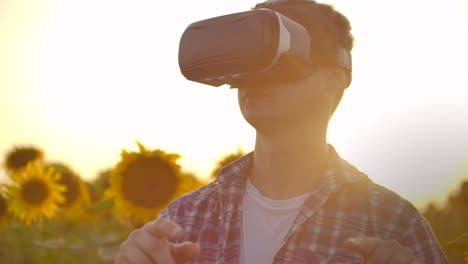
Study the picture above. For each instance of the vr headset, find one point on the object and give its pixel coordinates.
(260, 44)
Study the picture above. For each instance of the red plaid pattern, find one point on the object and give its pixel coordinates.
(345, 203)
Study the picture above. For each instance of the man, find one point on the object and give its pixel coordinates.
(293, 199)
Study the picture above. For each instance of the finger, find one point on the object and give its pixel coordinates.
(163, 227)
(161, 252)
(363, 245)
(129, 254)
(148, 244)
(185, 251)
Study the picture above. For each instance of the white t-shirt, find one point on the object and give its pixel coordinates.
(265, 224)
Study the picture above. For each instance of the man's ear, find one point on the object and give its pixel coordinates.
(337, 81)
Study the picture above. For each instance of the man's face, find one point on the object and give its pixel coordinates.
(295, 103)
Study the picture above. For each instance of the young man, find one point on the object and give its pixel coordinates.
(293, 199)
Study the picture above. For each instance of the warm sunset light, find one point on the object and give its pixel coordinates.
(84, 81)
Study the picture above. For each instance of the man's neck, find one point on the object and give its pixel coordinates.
(287, 165)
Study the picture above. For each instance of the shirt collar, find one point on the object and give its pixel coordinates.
(338, 171)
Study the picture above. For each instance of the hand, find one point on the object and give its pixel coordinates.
(149, 245)
(378, 251)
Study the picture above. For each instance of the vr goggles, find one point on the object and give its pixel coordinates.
(260, 44)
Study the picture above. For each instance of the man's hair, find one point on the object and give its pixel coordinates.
(322, 21)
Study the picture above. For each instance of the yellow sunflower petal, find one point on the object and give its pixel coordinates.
(144, 182)
(35, 194)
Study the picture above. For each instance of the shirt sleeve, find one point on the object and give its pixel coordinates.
(403, 222)
(421, 240)
(172, 211)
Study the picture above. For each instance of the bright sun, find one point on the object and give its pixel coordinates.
(85, 78)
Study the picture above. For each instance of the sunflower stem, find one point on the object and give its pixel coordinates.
(37, 230)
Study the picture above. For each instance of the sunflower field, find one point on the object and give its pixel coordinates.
(49, 214)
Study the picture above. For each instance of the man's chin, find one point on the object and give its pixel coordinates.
(266, 123)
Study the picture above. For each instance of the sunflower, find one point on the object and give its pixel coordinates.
(225, 161)
(76, 194)
(100, 184)
(144, 182)
(35, 193)
(19, 157)
(70, 180)
(191, 182)
(78, 209)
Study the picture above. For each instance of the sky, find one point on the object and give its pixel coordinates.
(84, 79)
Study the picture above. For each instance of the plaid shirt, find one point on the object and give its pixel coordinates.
(345, 203)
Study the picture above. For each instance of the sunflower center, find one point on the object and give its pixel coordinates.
(149, 182)
(34, 191)
(3, 206)
(20, 157)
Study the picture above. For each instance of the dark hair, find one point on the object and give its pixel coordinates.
(331, 27)
(322, 20)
